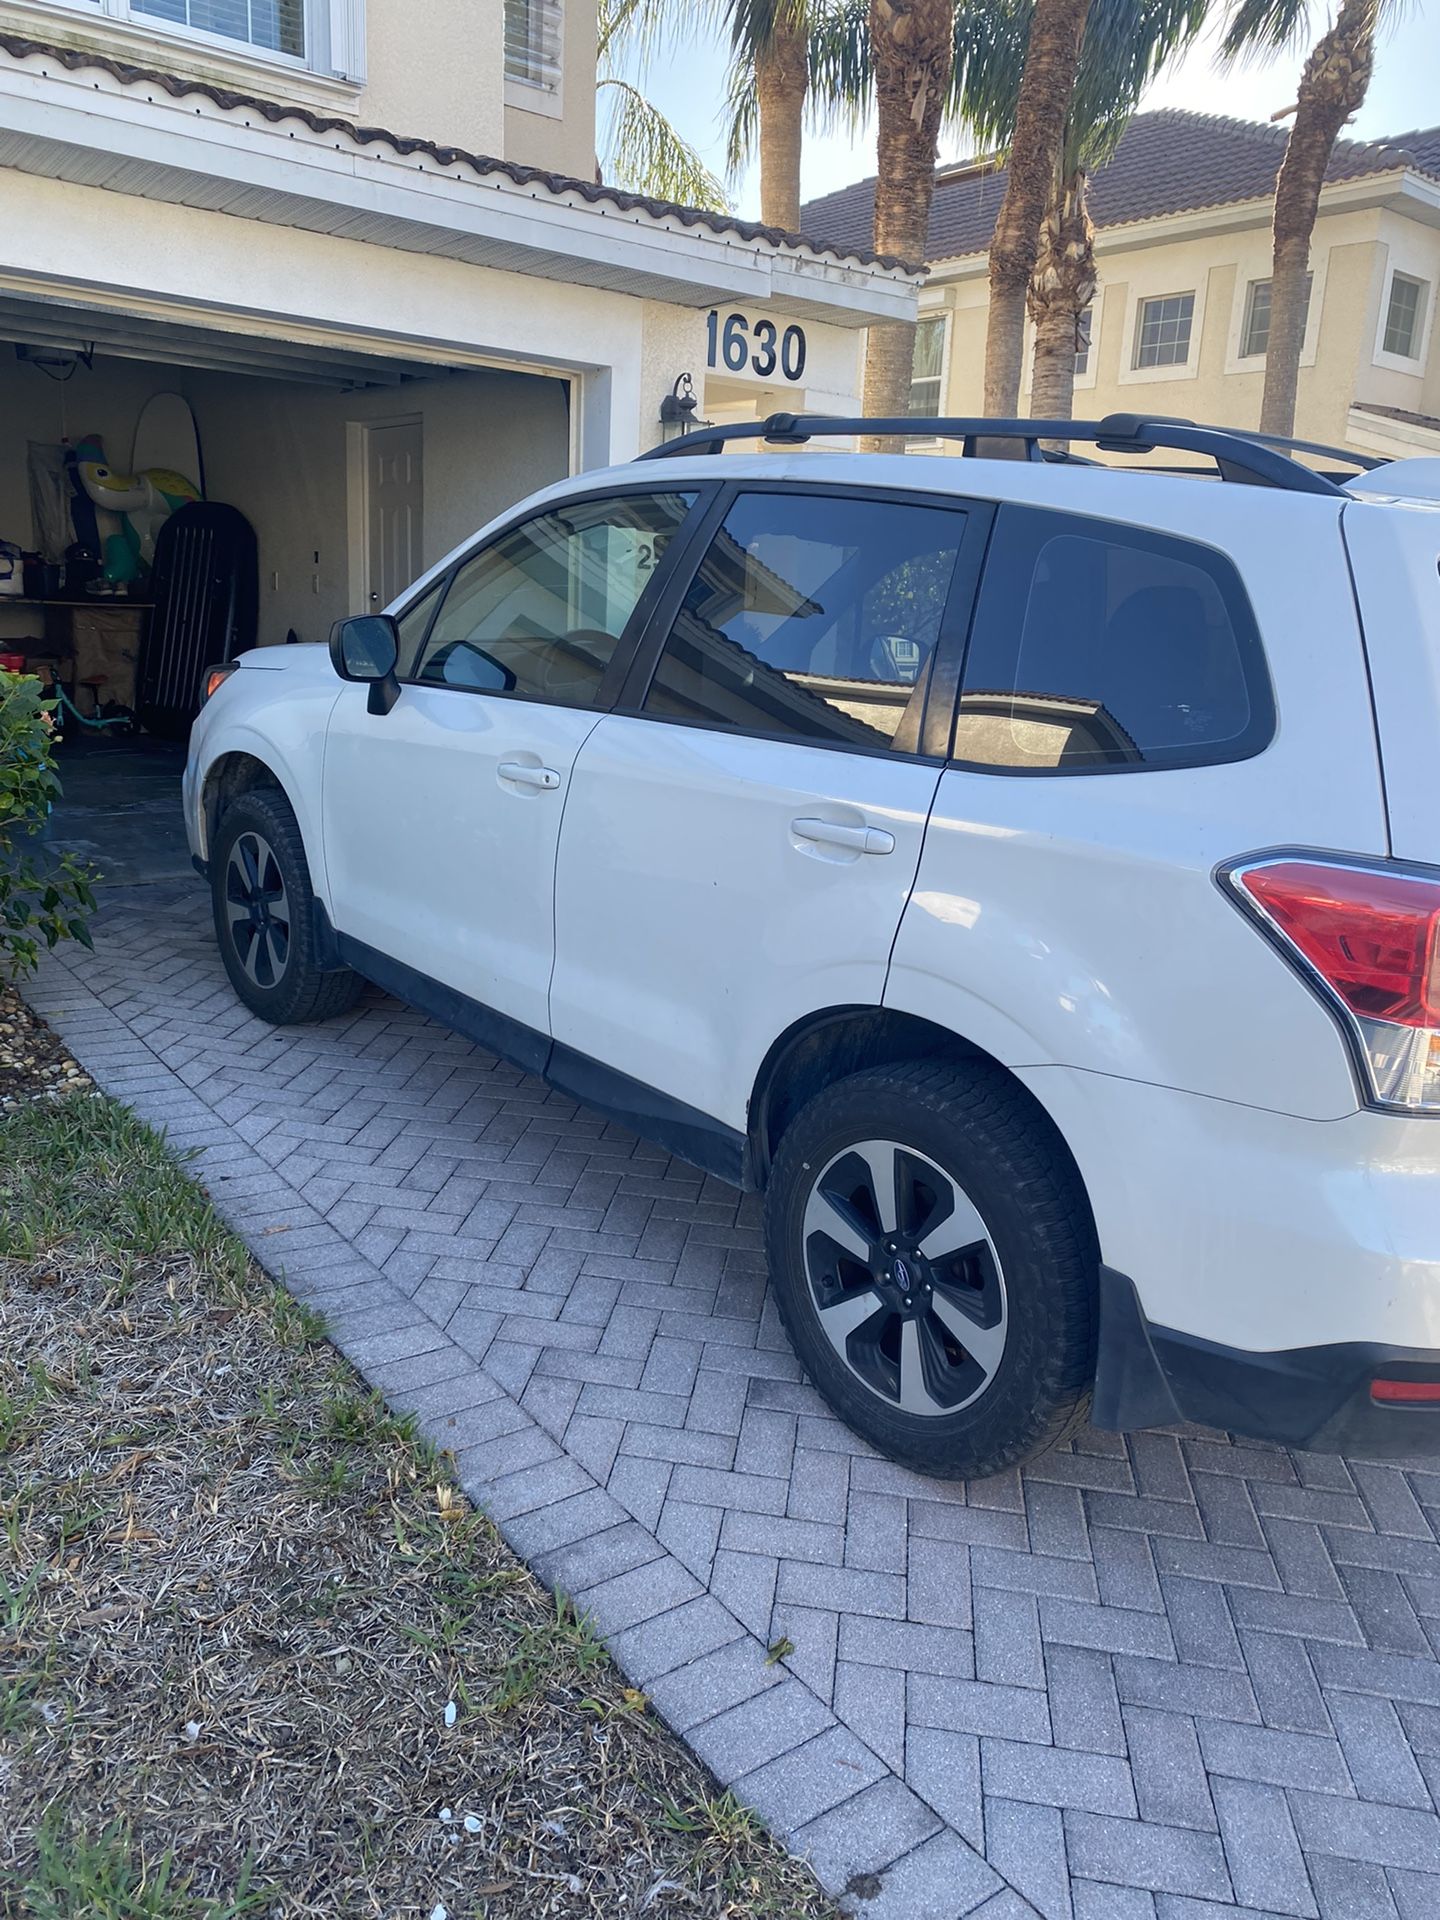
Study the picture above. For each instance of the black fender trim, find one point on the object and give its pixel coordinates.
(1315, 1397)
(328, 957)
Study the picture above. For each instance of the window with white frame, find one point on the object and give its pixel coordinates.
(1405, 316)
(1162, 330)
(1084, 340)
(533, 30)
(928, 371)
(278, 26)
(325, 35)
(1255, 334)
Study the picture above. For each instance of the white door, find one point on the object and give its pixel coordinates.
(394, 509)
(441, 817)
(737, 853)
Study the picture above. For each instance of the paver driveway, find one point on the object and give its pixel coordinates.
(1162, 1678)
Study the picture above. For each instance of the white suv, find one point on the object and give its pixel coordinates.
(1024, 871)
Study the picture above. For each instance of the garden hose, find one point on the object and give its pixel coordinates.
(87, 719)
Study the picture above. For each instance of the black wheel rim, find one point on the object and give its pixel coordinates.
(904, 1278)
(257, 910)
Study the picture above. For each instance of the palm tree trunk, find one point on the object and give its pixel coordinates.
(1061, 288)
(782, 79)
(1332, 87)
(912, 51)
(1047, 86)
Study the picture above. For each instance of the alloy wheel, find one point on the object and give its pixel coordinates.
(904, 1278)
(257, 909)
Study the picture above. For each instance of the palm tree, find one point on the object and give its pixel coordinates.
(644, 153)
(912, 53)
(769, 95)
(1126, 44)
(1333, 86)
(1036, 164)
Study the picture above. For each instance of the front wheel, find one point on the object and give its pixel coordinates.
(934, 1264)
(264, 911)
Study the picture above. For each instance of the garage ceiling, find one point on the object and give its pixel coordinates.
(68, 327)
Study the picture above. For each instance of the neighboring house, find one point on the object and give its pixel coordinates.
(1179, 325)
(364, 240)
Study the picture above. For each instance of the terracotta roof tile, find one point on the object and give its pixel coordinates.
(1171, 161)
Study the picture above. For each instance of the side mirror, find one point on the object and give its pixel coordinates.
(367, 648)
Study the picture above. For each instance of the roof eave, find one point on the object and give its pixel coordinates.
(191, 149)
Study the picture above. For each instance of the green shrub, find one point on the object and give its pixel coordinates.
(43, 899)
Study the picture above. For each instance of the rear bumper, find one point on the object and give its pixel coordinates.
(1315, 1397)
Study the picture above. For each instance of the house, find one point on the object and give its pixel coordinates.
(1182, 215)
(364, 241)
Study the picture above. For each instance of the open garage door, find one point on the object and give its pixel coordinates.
(331, 476)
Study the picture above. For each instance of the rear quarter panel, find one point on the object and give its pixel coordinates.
(1075, 919)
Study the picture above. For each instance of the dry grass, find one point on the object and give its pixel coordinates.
(236, 1597)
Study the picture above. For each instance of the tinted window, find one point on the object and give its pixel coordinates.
(814, 616)
(1104, 646)
(541, 610)
(411, 626)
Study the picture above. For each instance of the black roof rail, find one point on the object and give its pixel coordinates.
(1256, 459)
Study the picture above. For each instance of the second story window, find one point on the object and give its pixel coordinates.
(928, 371)
(1255, 335)
(533, 43)
(1162, 332)
(1404, 317)
(276, 25)
(327, 36)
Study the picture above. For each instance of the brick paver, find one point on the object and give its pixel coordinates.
(1161, 1677)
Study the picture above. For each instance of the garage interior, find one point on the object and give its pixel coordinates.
(349, 473)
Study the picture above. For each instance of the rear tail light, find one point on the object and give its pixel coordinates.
(1366, 935)
(215, 678)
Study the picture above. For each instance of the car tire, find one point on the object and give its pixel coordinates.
(974, 1349)
(264, 908)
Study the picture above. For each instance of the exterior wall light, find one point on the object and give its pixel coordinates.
(680, 408)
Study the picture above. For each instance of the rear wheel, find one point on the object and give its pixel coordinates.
(934, 1263)
(264, 910)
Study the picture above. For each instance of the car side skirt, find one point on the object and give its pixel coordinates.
(680, 1129)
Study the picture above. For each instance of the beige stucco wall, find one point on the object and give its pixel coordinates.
(1351, 258)
(434, 70)
(563, 138)
(437, 69)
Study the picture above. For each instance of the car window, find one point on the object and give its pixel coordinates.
(540, 611)
(814, 616)
(1098, 645)
(410, 628)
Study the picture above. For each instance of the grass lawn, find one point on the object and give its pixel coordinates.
(258, 1656)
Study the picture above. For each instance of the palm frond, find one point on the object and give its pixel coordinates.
(633, 32)
(742, 115)
(842, 79)
(1255, 29)
(1127, 42)
(645, 154)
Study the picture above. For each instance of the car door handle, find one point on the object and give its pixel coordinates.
(855, 839)
(544, 778)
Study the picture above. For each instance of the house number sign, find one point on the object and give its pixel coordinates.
(741, 345)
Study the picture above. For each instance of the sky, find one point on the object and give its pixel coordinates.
(1404, 93)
